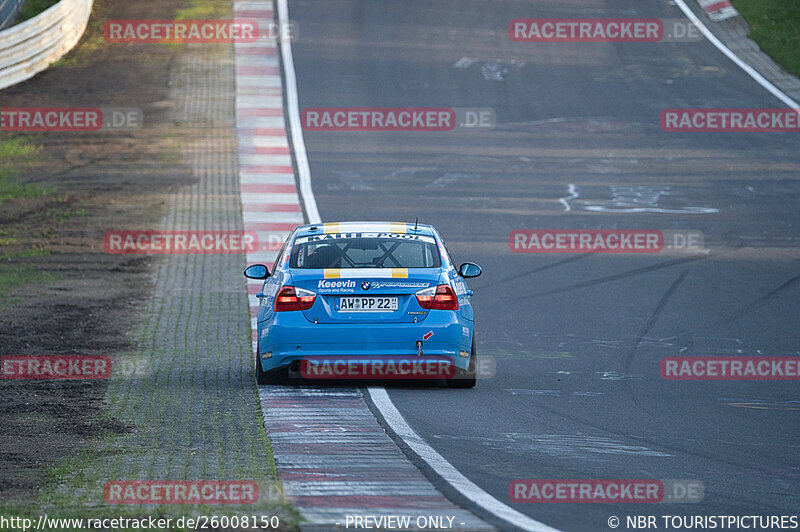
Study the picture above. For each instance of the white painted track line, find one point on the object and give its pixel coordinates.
(380, 398)
(445, 469)
(293, 110)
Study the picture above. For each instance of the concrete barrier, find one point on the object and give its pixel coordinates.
(31, 46)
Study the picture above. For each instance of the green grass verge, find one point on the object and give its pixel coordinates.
(13, 150)
(69, 483)
(15, 272)
(18, 147)
(204, 9)
(10, 189)
(31, 8)
(775, 26)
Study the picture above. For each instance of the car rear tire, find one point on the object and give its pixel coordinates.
(272, 377)
(466, 378)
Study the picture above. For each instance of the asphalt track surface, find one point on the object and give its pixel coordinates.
(577, 339)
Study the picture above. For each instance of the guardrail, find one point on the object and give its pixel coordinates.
(8, 11)
(31, 46)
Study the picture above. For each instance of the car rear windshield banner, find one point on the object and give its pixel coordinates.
(388, 236)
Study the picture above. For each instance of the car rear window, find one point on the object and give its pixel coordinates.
(365, 250)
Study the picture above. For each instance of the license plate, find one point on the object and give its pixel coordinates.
(367, 304)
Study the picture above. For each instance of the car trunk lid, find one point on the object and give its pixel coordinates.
(366, 295)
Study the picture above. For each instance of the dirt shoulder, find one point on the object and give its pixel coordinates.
(66, 295)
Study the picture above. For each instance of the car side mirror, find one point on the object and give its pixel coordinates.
(469, 269)
(256, 271)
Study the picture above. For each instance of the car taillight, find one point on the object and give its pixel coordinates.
(439, 297)
(291, 298)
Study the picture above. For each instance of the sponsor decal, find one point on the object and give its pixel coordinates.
(338, 273)
(365, 285)
(349, 283)
(347, 286)
(445, 256)
(338, 236)
(390, 227)
(393, 284)
(460, 288)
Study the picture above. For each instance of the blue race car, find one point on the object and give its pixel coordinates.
(365, 300)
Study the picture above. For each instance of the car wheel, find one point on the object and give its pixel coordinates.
(466, 378)
(272, 377)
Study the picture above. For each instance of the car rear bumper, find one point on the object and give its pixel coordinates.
(289, 337)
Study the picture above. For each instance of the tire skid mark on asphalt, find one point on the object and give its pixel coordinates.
(619, 276)
(651, 321)
(761, 301)
(332, 455)
(538, 269)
